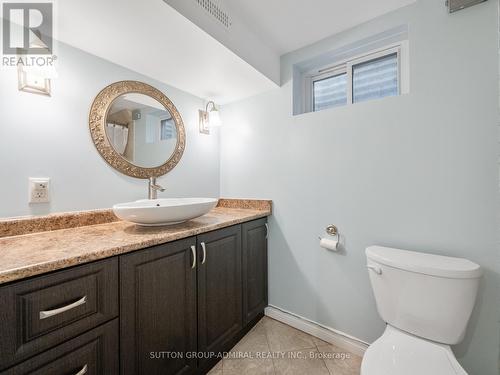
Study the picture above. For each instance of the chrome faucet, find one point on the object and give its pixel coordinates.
(154, 188)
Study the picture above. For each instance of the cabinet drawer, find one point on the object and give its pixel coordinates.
(93, 353)
(40, 313)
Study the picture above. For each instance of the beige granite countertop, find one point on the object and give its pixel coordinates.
(33, 254)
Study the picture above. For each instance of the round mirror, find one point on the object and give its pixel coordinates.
(141, 130)
(137, 129)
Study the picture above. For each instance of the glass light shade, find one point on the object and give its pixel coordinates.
(35, 80)
(214, 118)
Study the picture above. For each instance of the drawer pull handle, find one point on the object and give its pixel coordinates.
(49, 313)
(204, 248)
(193, 251)
(83, 371)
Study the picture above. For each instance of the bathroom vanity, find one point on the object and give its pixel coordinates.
(87, 293)
(145, 300)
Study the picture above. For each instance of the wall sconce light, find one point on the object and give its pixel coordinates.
(35, 80)
(209, 118)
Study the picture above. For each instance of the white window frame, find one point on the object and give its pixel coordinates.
(346, 66)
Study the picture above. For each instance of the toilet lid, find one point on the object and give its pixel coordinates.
(397, 352)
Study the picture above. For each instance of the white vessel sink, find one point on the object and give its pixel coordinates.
(168, 211)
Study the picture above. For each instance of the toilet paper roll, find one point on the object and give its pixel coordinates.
(328, 244)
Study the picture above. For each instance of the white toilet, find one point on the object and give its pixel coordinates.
(426, 301)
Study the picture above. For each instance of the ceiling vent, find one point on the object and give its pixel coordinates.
(456, 5)
(215, 10)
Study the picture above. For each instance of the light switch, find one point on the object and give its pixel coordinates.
(39, 190)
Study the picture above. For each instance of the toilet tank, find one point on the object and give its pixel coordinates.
(430, 296)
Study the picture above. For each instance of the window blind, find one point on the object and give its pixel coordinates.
(330, 92)
(376, 78)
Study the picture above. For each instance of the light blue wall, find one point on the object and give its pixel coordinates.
(44, 136)
(151, 153)
(417, 172)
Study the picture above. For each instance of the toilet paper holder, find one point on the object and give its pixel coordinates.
(333, 231)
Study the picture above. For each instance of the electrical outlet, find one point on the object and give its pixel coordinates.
(39, 190)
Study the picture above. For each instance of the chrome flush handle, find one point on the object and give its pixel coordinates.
(375, 269)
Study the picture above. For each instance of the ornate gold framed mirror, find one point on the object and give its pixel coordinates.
(137, 129)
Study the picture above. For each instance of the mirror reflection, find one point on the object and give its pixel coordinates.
(141, 130)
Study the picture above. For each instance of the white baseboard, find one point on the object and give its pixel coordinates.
(330, 335)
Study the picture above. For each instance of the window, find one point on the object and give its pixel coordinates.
(330, 92)
(166, 129)
(373, 75)
(375, 78)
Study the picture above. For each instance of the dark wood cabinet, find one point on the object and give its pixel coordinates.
(93, 353)
(164, 310)
(219, 289)
(254, 268)
(158, 310)
(40, 313)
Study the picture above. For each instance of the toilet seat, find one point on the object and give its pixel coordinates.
(397, 352)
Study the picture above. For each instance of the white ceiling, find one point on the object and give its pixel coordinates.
(288, 25)
(150, 37)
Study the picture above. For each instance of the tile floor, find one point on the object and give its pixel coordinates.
(272, 347)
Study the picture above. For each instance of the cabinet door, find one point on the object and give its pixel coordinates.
(219, 289)
(254, 268)
(158, 310)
